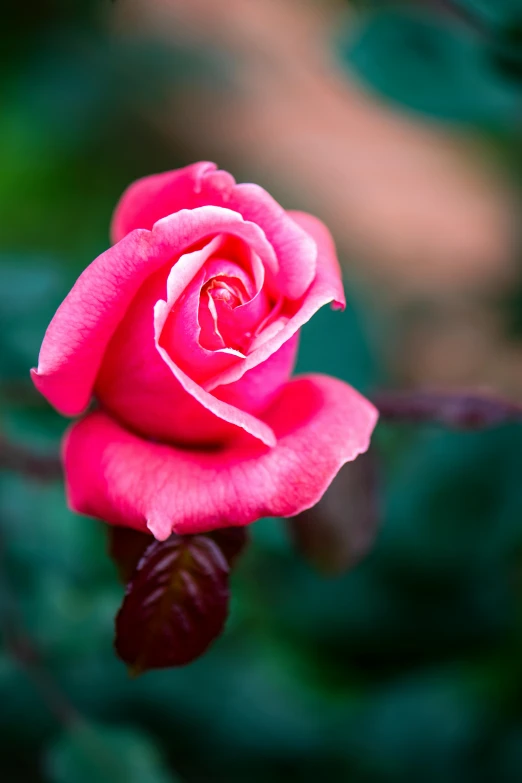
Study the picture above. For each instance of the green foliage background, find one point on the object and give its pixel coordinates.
(407, 668)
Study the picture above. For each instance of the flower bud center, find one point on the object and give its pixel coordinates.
(224, 291)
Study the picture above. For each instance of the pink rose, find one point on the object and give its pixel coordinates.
(185, 332)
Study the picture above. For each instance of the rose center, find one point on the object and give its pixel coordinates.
(224, 291)
(220, 308)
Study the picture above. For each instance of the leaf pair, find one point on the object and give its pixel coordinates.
(177, 596)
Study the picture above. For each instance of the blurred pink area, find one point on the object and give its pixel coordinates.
(418, 212)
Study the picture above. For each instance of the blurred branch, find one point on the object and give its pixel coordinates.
(22, 649)
(19, 459)
(459, 12)
(17, 643)
(469, 411)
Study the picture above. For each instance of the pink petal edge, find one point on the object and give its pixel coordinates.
(155, 196)
(327, 288)
(320, 423)
(77, 337)
(151, 198)
(222, 410)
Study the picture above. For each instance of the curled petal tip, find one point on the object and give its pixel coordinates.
(160, 527)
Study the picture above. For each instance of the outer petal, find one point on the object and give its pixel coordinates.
(260, 386)
(152, 198)
(152, 392)
(328, 270)
(77, 336)
(223, 410)
(75, 342)
(321, 423)
(326, 288)
(148, 392)
(138, 387)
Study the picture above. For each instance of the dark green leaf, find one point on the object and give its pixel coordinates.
(432, 66)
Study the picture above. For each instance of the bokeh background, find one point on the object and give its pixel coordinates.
(400, 126)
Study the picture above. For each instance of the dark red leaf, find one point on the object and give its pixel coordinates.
(126, 548)
(337, 532)
(231, 541)
(464, 410)
(175, 605)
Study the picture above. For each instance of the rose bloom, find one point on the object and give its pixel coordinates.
(185, 334)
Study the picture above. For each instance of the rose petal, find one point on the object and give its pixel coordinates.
(321, 423)
(145, 388)
(234, 326)
(326, 288)
(152, 198)
(259, 387)
(221, 409)
(181, 329)
(84, 323)
(137, 386)
(158, 392)
(78, 335)
(180, 337)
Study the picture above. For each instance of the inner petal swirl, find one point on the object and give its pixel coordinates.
(219, 297)
(212, 322)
